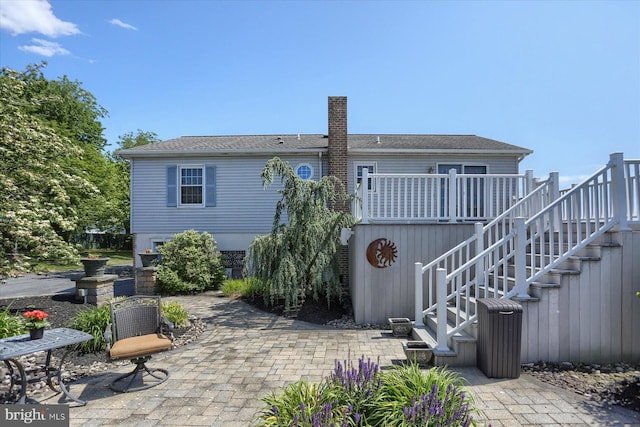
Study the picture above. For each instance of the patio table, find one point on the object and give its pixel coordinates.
(20, 345)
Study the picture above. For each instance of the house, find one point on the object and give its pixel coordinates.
(213, 183)
(443, 220)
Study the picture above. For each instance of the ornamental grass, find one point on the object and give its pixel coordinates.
(359, 394)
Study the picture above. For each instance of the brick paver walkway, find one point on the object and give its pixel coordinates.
(246, 354)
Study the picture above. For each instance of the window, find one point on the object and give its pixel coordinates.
(191, 185)
(471, 195)
(359, 167)
(304, 171)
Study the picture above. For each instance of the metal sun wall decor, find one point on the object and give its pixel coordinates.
(381, 253)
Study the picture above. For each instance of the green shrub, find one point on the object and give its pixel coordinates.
(249, 287)
(413, 397)
(93, 321)
(296, 403)
(189, 264)
(10, 324)
(362, 395)
(175, 313)
(234, 288)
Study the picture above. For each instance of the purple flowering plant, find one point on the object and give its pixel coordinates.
(361, 395)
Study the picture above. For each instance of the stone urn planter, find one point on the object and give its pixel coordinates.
(418, 351)
(149, 259)
(400, 326)
(94, 267)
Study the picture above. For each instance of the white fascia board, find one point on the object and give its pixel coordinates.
(201, 153)
(404, 151)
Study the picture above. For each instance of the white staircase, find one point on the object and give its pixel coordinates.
(539, 252)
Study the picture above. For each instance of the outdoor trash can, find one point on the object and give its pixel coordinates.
(499, 337)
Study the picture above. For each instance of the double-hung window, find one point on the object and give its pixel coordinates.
(191, 185)
(371, 167)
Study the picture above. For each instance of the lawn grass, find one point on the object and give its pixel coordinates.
(116, 257)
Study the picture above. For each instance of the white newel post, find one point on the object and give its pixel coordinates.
(618, 191)
(441, 299)
(521, 259)
(480, 266)
(453, 195)
(418, 294)
(365, 195)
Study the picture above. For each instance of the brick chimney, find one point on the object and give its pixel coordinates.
(337, 160)
(337, 157)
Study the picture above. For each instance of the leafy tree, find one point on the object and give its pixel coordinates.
(120, 198)
(36, 190)
(135, 139)
(299, 257)
(74, 115)
(64, 105)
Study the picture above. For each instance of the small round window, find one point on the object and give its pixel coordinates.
(304, 171)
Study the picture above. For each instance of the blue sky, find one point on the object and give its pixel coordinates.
(560, 78)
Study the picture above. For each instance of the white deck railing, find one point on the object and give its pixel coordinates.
(437, 197)
(493, 262)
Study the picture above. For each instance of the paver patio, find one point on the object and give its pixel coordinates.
(246, 354)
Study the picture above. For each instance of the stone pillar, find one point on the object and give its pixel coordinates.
(146, 283)
(96, 290)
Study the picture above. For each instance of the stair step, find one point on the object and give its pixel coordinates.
(429, 335)
(560, 271)
(432, 321)
(461, 349)
(545, 285)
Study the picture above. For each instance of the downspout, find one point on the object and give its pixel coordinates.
(320, 165)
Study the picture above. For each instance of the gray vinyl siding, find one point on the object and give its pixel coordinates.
(242, 205)
(422, 164)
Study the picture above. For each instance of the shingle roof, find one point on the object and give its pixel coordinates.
(254, 144)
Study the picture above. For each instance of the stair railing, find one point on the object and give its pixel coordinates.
(542, 242)
(483, 237)
(575, 220)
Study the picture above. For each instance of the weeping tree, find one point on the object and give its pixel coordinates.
(300, 257)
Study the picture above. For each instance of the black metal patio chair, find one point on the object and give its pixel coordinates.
(137, 331)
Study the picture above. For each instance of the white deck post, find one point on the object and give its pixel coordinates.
(441, 298)
(554, 194)
(453, 195)
(529, 184)
(618, 191)
(521, 259)
(480, 266)
(418, 294)
(365, 195)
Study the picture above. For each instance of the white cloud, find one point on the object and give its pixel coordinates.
(45, 48)
(33, 16)
(119, 23)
